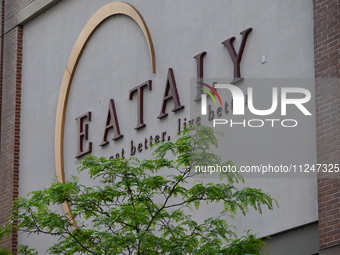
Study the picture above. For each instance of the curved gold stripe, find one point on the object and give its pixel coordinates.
(99, 17)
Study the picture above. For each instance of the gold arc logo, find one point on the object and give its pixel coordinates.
(99, 17)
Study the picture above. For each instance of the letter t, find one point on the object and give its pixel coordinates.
(140, 98)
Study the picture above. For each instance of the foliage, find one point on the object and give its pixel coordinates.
(25, 250)
(246, 245)
(4, 251)
(22, 250)
(145, 206)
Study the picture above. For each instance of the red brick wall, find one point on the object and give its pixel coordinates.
(2, 25)
(10, 75)
(327, 65)
(9, 174)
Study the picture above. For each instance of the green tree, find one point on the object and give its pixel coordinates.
(145, 206)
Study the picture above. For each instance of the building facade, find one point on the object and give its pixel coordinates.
(64, 62)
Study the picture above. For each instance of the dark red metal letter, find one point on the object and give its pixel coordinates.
(83, 134)
(237, 57)
(140, 100)
(170, 92)
(111, 122)
(199, 59)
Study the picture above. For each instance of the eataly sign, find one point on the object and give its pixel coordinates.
(112, 123)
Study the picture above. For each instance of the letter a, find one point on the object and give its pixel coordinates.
(111, 122)
(170, 92)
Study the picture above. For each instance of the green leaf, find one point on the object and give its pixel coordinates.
(141, 206)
